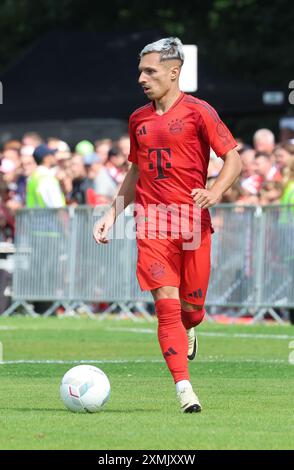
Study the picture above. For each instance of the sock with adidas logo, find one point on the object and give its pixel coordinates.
(172, 337)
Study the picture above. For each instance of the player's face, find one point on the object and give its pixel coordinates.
(156, 77)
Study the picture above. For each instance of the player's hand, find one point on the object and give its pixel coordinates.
(102, 227)
(205, 198)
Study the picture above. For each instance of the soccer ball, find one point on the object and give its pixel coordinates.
(84, 389)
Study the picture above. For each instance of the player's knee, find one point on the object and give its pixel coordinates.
(165, 292)
(192, 315)
(190, 307)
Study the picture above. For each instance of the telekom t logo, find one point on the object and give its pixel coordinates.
(160, 159)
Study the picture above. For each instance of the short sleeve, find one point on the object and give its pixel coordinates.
(218, 135)
(133, 157)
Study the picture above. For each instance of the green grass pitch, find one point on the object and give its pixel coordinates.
(242, 375)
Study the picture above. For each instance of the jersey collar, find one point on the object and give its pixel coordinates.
(172, 106)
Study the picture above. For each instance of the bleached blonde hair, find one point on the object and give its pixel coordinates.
(169, 48)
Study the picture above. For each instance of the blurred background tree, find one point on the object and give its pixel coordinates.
(252, 38)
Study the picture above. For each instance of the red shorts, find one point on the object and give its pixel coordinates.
(164, 262)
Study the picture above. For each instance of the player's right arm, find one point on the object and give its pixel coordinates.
(125, 196)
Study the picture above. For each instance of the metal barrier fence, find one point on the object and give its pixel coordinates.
(252, 259)
(57, 260)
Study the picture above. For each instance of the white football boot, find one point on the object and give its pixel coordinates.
(192, 344)
(189, 401)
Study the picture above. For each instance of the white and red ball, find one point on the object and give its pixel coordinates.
(85, 388)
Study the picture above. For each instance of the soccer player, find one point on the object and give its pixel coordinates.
(171, 139)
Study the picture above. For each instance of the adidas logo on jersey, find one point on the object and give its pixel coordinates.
(142, 131)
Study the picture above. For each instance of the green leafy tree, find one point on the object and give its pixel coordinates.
(250, 38)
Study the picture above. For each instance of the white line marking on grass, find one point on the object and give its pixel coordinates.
(245, 335)
(133, 330)
(209, 359)
(4, 327)
(213, 334)
(82, 361)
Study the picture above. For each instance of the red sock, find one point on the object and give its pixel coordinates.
(172, 337)
(193, 318)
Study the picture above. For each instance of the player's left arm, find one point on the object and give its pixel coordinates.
(231, 169)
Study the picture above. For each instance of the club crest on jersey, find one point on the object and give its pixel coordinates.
(176, 126)
(223, 132)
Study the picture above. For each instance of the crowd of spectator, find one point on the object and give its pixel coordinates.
(92, 172)
(267, 171)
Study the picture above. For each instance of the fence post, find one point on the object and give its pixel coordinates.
(72, 251)
(260, 252)
(261, 255)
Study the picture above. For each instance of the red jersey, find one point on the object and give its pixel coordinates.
(172, 151)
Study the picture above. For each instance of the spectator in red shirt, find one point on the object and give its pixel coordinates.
(266, 169)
